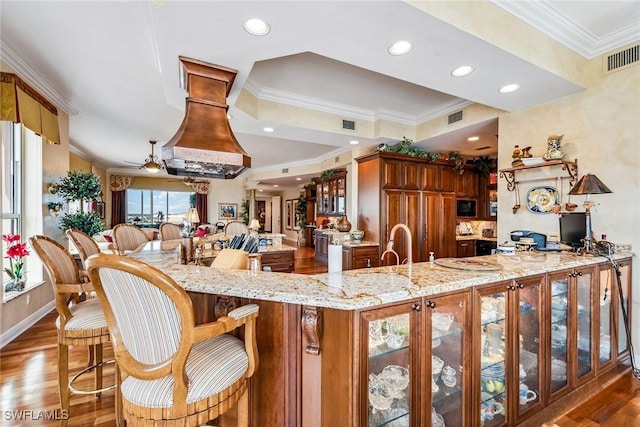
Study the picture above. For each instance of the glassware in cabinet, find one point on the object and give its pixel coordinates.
(529, 355)
(583, 325)
(390, 335)
(559, 333)
(493, 372)
(448, 323)
(605, 315)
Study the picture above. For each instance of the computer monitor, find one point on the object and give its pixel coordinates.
(573, 228)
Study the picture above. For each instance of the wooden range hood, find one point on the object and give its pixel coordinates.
(204, 145)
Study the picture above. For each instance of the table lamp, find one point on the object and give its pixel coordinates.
(589, 184)
(191, 218)
(254, 226)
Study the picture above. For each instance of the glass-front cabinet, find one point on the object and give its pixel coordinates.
(448, 321)
(510, 337)
(606, 316)
(625, 281)
(572, 296)
(332, 194)
(391, 359)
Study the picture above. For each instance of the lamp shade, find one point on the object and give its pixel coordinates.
(589, 184)
(192, 216)
(255, 224)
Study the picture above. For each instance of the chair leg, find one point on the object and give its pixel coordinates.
(119, 415)
(98, 374)
(63, 376)
(91, 355)
(243, 410)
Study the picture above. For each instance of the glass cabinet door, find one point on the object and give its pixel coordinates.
(529, 328)
(448, 320)
(583, 326)
(341, 183)
(559, 332)
(605, 315)
(493, 372)
(389, 359)
(625, 278)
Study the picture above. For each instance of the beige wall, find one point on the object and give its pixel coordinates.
(601, 127)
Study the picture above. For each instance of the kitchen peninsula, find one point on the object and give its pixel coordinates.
(356, 348)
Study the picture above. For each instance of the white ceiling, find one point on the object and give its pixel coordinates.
(113, 67)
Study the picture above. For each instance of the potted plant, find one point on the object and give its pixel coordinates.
(301, 215)
(81, 187)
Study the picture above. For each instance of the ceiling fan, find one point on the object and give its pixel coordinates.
(151, 163)
(188, 180)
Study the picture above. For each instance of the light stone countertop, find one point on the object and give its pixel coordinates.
(352, 244)
(354, 289)
(476, 237)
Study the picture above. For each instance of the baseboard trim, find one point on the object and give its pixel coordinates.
(13, 332)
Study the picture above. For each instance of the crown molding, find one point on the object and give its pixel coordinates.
(548, 20)
(31, 76)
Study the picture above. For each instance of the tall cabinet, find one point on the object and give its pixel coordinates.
(398, 189)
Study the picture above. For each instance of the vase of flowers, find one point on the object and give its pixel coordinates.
(16, 251)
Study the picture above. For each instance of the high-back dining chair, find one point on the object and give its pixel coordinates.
(127, 238)
(85, 245)
(169, 231)
(173, 372)
(79, 323)
(235, 228)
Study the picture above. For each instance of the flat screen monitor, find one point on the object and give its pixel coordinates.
(573, 228)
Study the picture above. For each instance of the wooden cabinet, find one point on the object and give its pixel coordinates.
(508, 339)
(439, 216)
(571, 359)
(466, 248)
(466, 184)
(331, 194)
(355, 257)
(398, 189)
(279, 261)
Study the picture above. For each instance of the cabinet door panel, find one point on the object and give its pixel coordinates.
(559, 341)
(447, 178)
(392, 216)
(431, 174)
(625, 278)
(584, 362)
(412, 176)
(605, 315)
(388, 380)
(411, 214)
(392, 174)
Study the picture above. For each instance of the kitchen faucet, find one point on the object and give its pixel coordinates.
(390, 244)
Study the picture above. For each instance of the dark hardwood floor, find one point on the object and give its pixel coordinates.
(28, 367)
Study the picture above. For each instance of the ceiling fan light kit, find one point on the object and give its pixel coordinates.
(151, 163)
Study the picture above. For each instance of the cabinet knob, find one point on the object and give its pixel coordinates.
(520, 285)
(430, 304)
(511, 287)
(416, 306)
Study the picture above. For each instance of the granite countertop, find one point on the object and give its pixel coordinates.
(275, 248)
(352, 244)
(355, 289)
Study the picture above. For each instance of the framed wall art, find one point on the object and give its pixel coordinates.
(227, 211)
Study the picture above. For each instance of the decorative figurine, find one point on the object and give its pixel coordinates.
(525, 153)
(554, 152)
(516, 157)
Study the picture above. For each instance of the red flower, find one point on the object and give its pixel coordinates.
(10, 238)
(17, 250)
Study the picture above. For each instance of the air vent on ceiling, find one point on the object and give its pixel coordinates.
(622, 59)
(349, 125)
(455, 117)
(285, 170)
(482, 148)
(336, 159)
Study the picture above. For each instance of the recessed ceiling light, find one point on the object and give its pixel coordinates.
(298, 179)
(256, 26)
(261, 190)
(268, 129)
(275, 185)
(473, 138)
(354, 142)
(465, 70)
(400, 47)
(509, 88)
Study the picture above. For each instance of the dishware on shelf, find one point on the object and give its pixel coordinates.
(398, 331)
(526, 395)
(442, 321)
(378, 333)
(396, 376)
(380, 393)
(436, 365)
(448, 376)
(437, 420)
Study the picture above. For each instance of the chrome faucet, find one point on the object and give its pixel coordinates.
(390, 244)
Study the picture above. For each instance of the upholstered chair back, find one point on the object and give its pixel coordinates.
(170, 231)
(85, 245)
(127, 238)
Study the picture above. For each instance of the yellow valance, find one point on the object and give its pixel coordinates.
(20, 103)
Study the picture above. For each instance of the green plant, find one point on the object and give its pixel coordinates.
(458, 161)
(244, 212)
(327, 174)
(485, 165)
(301, 212)
(88, 222)
(81, 187)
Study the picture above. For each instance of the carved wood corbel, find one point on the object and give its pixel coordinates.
(312, 328)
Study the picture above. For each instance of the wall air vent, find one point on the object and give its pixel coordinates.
(348, 125)
(622, 59)
(455, 117)
(285, 170)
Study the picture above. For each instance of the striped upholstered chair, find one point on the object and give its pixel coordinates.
(173, 372)
(79, 323)
(85, 245)
(127, 238)
(169, 231)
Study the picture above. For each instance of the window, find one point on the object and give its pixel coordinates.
(21, 208)
(152, 207)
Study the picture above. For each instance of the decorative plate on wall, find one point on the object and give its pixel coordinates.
(541, 199)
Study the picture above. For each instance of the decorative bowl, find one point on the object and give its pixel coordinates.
(357, 235)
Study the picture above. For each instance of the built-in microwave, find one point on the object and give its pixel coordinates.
(466, 208)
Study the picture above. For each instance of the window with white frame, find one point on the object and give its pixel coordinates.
(21, 203)
(152, 207)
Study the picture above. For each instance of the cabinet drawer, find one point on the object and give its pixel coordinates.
(269, 258)
(361, 262)
(280, 267)
(369, 251)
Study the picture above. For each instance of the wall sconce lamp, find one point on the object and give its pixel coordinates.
(589, 184)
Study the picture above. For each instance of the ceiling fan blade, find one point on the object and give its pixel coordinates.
(134, 163)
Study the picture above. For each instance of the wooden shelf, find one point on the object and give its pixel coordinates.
(571, 168)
